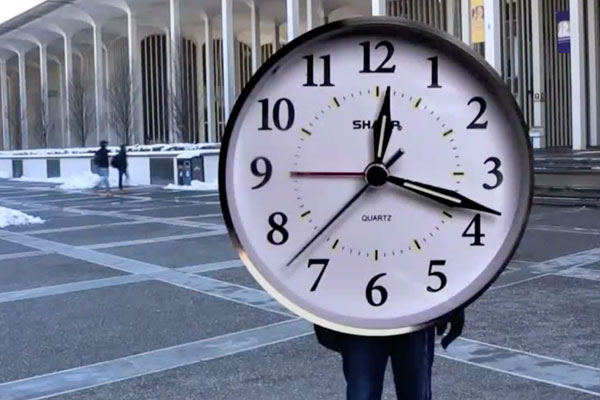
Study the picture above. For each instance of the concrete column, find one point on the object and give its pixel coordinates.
(175, 73)
(228, 43)
(237, 67)
(593, 73)
(493, 39)
(450, 16)
(465, 21)
(199, 37)
(4, 99)
(135, 78)
(539, 97)
(210, 81)
(578, 81)
(293, 19)
(276, 37)
(101, 131)
(314, 14)
(44, 99)
(255, 27)
(111, 135)
(44, 75)
(68, 67)
(106, 66)
(23, 100)
(378, 7)
(170, 89)
(61, 78)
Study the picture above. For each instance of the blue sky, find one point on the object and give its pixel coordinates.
(12, 8)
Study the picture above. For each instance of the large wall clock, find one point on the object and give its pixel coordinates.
(375, 175)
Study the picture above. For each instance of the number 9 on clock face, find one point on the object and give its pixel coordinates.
(375, 175)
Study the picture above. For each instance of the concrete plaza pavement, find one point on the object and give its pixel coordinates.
(141, 296)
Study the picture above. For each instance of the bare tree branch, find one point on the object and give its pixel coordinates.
(16, 123)
(82, 109)
(179, 103)
(45, 126)
(122, 105)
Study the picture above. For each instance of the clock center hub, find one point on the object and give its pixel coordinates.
(376, 175)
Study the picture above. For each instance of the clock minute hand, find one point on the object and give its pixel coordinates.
(382, 129)
(441, 195)
(331, 221)
(393, 159)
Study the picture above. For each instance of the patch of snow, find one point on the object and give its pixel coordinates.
(10, 217)
(196, 186)
(45, 152)
(5, 175)
(38, 180)
(88, 180)
(83, 181)
(175, 147)
(186, 155)
(179, 147)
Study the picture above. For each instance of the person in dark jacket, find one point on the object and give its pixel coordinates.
(120, 163)
(365, 358)
(101, 161)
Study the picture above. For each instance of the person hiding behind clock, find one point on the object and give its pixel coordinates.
(365, 358)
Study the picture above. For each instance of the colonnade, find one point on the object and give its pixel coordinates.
(90, 26)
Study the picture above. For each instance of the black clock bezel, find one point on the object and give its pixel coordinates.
(454, 49)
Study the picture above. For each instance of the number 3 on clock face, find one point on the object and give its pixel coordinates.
(375, 175)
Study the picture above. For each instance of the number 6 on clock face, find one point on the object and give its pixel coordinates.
(375, 175)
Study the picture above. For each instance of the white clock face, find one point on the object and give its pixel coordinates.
(375, 181)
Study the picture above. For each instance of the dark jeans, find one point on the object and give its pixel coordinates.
(365, 359)
(121, 173)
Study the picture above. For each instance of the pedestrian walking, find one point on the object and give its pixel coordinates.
(101, 162)
(119, 162)
(364, 359)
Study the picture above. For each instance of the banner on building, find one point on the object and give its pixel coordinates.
(563, 32)
(477, 21)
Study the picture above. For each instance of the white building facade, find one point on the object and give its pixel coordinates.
(75, 72)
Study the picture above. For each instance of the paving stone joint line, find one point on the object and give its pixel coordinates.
(466, 350)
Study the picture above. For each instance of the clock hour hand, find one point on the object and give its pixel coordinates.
(441, 195)
(382, 129)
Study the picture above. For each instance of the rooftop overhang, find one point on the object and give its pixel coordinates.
(48, 22)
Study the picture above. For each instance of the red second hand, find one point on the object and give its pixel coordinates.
(300, 174)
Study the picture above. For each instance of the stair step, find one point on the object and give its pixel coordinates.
(567, 159)
(565, 202)
(566, 171)
(568, 195)
(567, 191)
(575, 164)
(572, 188)
(570, 179)
(567, 181)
